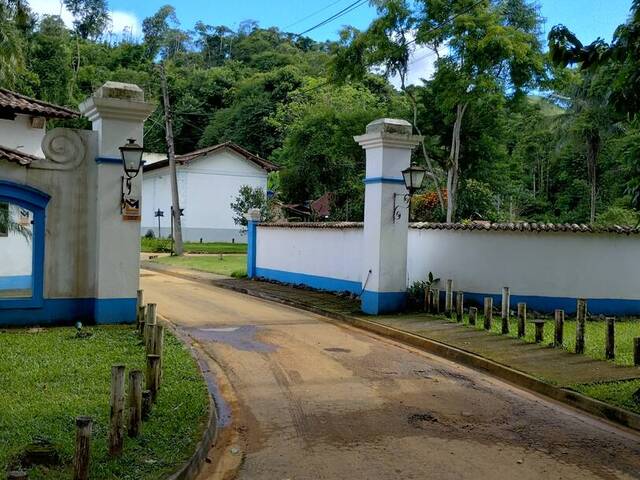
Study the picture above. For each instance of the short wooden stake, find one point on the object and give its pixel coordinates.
(426, 306)
(488, 312)
(435, 302)
(150, 322)
(473, 315)
(146, 404)
(558, 331)
(17, 475)
(134, 403)
(506, 301)
(152, 376)
(158, 348)
(522, 319)
(82, 454)
(581, 317)
(116, 422)
(139, 303)
(636, 351)
(539, 330)
(459, 306)
(610, 339)
(448, 299)
(142, 313)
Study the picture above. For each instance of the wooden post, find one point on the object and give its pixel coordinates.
(506, 300)
(610, 339)
(150, 322)
(522, 319)
(427, 299)
(153, 367)
(158, 348)
(146, 404)
(134, 402)
(473, 315)
(139, 303)
(142, 313)
(435, 303)
(488, 312)
(636, 351)
(448, 299)
(558, 332)
(116, 421)
(82, 454)
(581, 317)
(460, 306)
(539, 330)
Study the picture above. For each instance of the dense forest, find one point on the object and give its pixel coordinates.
(517, 127)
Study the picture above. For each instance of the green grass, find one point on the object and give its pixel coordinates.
(230, 265)
(47, 379)
(154, 245)
(625, 331)
(615, 393)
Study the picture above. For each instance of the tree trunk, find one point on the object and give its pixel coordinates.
(593, 150)
(454, 166)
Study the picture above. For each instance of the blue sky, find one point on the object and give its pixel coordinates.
(588, 18)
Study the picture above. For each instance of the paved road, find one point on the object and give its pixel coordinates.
(316, 400)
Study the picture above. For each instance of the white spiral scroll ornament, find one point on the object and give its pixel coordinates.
(64, 149)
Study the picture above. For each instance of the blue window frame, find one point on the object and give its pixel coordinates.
(35, 201)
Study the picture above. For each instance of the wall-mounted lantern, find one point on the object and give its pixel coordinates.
(132, 163)
(131, 158)
(413, 179)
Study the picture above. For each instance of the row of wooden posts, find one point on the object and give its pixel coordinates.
(139, 401)
(432, 305)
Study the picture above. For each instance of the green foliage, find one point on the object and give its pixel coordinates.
(615, 215)
(250, 197)
(225, 265)
(90, 17)
(477, 201)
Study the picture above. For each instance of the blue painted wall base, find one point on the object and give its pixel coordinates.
(313, 281)
(379, 303)
(67, 311)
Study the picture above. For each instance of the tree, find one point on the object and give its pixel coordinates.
(490, 45)
(15, 19)
(250, 197)
(91, 17)
(161, 33)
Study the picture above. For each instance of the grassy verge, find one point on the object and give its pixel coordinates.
(615, 393)
(50, 377)
(155, 245)
(230, 265)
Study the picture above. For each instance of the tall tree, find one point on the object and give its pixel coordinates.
(90, 17)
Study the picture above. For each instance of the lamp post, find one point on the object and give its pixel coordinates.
(131, 154)
(413, 178)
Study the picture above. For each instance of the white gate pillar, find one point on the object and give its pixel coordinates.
(117, 112)
(388, 144)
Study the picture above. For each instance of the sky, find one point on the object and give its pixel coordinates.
(589, 19)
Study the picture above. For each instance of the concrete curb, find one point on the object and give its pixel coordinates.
(574, 399)
(191, 468)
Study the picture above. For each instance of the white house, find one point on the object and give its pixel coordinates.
(22, 129)
(208, 182)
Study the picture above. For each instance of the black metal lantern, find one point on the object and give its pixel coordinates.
(413, 178)
(131, 158)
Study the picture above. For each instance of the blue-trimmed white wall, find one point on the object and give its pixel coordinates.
(323, 258)
(545, 270)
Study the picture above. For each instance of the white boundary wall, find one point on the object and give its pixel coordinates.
(547, 270)
(326, 258)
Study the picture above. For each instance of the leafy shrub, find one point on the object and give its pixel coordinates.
(617, 216)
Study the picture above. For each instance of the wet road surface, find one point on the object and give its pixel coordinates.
(317, 400)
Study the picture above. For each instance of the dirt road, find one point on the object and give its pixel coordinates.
(316, 400)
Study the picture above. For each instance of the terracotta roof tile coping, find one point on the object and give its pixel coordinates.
(475, 226)
(17, 156)
(18, 103)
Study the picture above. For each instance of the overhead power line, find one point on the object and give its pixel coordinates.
(349, 8)
(313, 14)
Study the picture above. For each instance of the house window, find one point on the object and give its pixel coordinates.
(4, 219)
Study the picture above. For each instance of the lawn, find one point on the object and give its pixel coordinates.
(616, 393)
(49, 377)
(230, 265)
(154, 245)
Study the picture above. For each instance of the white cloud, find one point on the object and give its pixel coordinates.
(121, 22)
